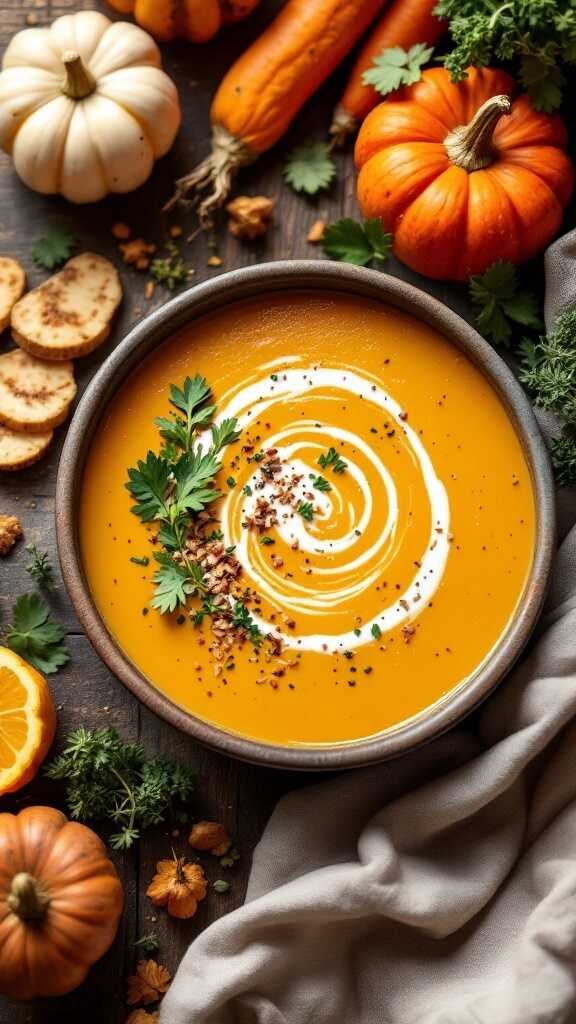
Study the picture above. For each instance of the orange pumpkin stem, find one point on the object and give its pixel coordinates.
(214, 173)
(26, 898)
(470, 145)
(77, 82)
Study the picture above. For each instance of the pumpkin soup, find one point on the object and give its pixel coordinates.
(307, 520)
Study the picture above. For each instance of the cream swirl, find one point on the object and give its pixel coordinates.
(299, 443)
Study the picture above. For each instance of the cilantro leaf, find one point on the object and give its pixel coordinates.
(54, 248)
(35, 635)
(395, 67)
(310, 168)
(351, 242)
(498, 301)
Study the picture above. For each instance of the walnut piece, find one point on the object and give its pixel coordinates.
(211, 836)
(250, 216)
(10, 532)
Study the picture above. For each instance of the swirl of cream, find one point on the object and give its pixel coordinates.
(248, 405)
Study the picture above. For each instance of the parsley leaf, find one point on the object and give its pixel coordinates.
(170, 270)
(331, 460)
(241, 618)
(173, 584)
(192, 399)
(225, 433)
(40, 568)
(310, 168)
(376, 631)
(147, 944)
(351, 242)
(109, 780)
(35, 635)
(54, 248)
(148, 484)
(395, 67)
(497, 299)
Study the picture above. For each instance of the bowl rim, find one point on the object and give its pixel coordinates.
(304, 275)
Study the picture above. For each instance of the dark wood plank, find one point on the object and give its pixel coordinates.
(240, 795)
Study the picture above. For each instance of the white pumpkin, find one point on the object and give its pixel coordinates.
(85, 108)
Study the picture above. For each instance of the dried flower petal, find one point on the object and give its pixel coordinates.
(178, 886)
(148, 984)
(141, 1016)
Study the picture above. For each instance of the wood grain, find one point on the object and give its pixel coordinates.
(239, 795)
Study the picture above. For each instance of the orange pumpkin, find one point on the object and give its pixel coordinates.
(60, 903)
(196, 20)
(462, 174)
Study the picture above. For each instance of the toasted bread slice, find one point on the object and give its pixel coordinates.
(12, 285)
(70, 314)
(34, 395)
(18, 450)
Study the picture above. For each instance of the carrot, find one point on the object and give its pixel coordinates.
(264, 90)
(404, 23)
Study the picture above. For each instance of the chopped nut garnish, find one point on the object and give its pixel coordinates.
(121, 231)
(210, 836)
(407, 633)
(214, 261)
(250, 216)
(316, 233)
(150, 288)
(137, 253)
(10, 532)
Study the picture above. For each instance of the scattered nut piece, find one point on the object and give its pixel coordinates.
(148, 984)
(121, 231)
(137, 253)
(12, 285)
(250, 216)
(19, 450)
(317, 231)
(10, 532)
(70, 314)
(214, 261)
(34, 394)
(150, 288)
(176, 231)
(211, 836)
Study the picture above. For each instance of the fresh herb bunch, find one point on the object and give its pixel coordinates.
(110, 780)
(541, 34)
(35, 635)
(499, 302)
(395, 67)
(40, 568)
(310, 168)
(351, 242)
(548, 370)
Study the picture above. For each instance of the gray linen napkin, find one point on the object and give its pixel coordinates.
(438, 889)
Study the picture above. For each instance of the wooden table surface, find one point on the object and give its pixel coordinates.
(86, 693)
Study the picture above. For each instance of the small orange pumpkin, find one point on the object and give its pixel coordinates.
(463, 175)
(60, 903)
(196, 20)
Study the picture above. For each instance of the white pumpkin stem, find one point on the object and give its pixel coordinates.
(470, 145)
(27, 898)
(77, 82)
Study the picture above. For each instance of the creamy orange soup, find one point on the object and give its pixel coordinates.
(413, 563)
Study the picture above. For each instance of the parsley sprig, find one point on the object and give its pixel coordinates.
(540, 34)
(499, 302)
(395, 67)
(35, 635)
(351, 242)
(40, 568)
(110, 780)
